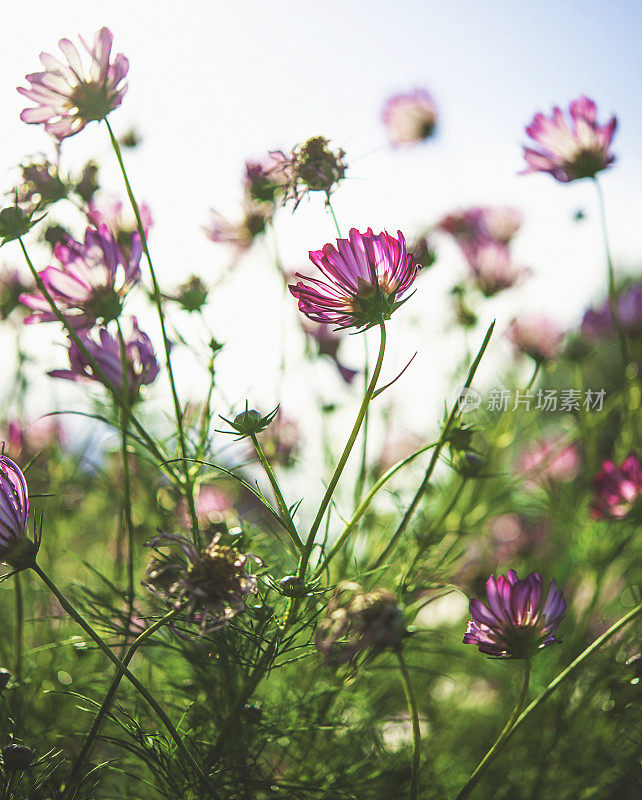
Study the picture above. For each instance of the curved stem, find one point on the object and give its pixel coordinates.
(361, 479)
(613, 304)
(189, 489)
(435, 456)
(416, 730)
(109, 697)
(283, 506)
(147, 696)
(490, 755)
(363, 506)
(95, 367)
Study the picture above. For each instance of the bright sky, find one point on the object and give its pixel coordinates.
(214, 83)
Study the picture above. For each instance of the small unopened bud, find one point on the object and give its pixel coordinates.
(250, 422)
(14, 223)
(16, 757)
(192, 294)
(5, 677)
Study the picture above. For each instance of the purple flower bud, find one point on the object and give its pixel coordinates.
(15, 548)
(410, 117)
(518, 620)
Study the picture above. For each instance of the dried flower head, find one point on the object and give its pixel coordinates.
(570, 146)
(616, 490)
(311, 167)
(91, 282)
(518, 620)
(365, 277)
(410, 117)
(211, 585)
(68, 96)
(357, 621)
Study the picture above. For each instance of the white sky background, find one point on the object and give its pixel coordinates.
(214, 83)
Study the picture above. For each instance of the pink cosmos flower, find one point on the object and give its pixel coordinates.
(492, 267)
(482, 223)
(142, 367)
(537, 336)
(91, 282)
(518, 620)
(409, 117)
(26, 440)
(616, 489)
(570, 147)
(365, 275)
(549, 461)
(68, 96)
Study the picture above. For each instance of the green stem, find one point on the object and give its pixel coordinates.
(309, 544)
(189, 488)
(127, 502)
(283, 506)
(592, 648)
(334, 217)
(361, 479)
(96, 370)
(490, 755)
(435, 456)
(146, 695)
(19, 629)
(416, 730)
(109, 697)
(363, 506)
(613, 304)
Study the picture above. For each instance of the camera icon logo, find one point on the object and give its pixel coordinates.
(469, 400)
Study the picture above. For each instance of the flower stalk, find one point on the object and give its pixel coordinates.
(416, 730)
(490, 755)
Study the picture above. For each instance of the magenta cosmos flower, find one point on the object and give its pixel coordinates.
(91, 281)
(492, 267)
(141, 368)
(479, 224)
(616, 489)
(537, 336)
(68, 96)
(15, 547)
(570, 147)
(409, 117)
(548, 461)
(365, 277)
(519, 619)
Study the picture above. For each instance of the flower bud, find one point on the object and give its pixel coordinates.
(5, 677)
(14, 223)
(16, 757)
(250, 422)
(292, 586)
